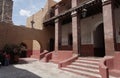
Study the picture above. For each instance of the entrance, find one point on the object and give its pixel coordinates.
(51, 44)
(99, 43)
(23, 48)
(70, 40)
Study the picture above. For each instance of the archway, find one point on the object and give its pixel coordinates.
(32, 47)
(23, 50)
(51, 44)
(99, 43)
(36, 47)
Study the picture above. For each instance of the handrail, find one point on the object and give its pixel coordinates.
(103, 69)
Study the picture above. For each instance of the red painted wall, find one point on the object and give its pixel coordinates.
(87, 50)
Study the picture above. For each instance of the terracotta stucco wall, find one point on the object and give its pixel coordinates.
(10, 34)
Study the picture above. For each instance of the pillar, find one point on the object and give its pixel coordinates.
(109, 32)
(76, 29)
(58, 33)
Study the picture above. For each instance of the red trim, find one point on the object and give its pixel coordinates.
(29, 53)
(67, 47)
(118, 46)
(35, 54)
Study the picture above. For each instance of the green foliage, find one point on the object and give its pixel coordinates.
(13, 50)
(9, 48)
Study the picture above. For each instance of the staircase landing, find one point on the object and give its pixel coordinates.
(85, 66)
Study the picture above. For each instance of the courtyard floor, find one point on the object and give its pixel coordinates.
(32, 68)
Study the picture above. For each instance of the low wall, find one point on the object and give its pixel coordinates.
(117, 61)
(61, 56)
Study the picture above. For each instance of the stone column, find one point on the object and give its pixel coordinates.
(76, 29)
(58, 33)
(108, 27)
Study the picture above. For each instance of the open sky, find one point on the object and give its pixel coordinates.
(25, 8)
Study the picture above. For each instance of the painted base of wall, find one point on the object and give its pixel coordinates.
(33, 54)
(118, 46)
(66, 47)
(87, 50)
(61, 56)
(29, 53)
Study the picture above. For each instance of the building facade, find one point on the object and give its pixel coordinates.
(86, 27)
(36, 20)
(6, 7)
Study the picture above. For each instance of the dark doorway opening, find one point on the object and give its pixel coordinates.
(70, 40)
(51, 44)
(99, 43)
(23, 50)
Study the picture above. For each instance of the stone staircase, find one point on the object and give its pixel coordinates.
(88, 67)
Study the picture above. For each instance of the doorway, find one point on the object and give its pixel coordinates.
(70, 39)
(23, 50)
(99, 43)
(51, 44)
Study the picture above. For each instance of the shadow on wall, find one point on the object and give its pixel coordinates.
(11, 34)
(13, 72)
(32, 47)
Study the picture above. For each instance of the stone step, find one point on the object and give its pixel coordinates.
(88, 58)
(84, 64)
(35, 56)
(88, 67)
(83, 72)
(113, 77)
(83, 68)
(87, 62)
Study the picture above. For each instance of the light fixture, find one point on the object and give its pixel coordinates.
(84, 12)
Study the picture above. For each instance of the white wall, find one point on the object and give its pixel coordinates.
(88, 25)
(66, 30)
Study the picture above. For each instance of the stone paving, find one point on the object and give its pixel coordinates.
(33, 68)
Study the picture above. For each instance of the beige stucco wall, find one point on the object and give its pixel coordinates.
(39, 17)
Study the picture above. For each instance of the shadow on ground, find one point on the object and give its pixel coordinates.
(24, 61)
(13, 72)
